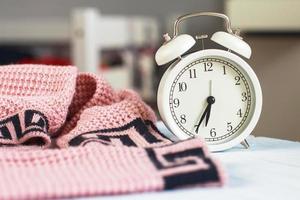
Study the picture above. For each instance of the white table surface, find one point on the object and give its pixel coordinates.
(270, 169)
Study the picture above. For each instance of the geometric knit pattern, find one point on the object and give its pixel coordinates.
(67, 134)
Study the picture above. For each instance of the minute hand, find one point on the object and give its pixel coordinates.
(207, 109)
(210, 100)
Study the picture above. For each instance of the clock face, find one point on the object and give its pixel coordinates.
(211, 97)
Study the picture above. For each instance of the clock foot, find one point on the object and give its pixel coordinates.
(245, 144)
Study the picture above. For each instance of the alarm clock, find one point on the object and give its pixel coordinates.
(210, 93)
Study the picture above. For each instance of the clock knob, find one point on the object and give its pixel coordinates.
(173, 48)
(232, 42)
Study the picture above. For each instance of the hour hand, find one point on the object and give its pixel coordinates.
(210, 100)
(207, 115)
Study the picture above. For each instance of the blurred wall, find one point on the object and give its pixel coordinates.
(276, 61)
(161, 9)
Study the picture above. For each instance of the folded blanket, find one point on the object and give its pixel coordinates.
(69, 134)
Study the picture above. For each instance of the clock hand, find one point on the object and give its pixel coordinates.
(210, 87)
(210, 100)
(202, 117)
(208, 115)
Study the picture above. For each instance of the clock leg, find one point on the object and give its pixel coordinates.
(245, 144)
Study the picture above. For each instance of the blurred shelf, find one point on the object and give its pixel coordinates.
(38, 30)
(264, 15)
(111, 31)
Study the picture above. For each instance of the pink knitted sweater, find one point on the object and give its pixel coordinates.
(69, 134)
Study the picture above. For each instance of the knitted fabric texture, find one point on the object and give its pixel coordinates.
(104, 142)
(34, 102)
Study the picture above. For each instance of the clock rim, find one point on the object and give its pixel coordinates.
(166, 83)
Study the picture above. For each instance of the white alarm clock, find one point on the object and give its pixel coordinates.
(211, 93)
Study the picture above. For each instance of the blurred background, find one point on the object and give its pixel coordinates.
(118, 38)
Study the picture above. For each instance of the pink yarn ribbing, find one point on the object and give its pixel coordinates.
(90, 90)
(47, 89)
(106, 141)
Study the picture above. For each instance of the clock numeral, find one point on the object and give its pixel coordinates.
(238, 79)
(213, 132)
(239, 113)
(208, 66)
(229, 126)
(193, 73)
(176, 103)
(244, 97)
(224, 70)
(183, 119)
(182, 86)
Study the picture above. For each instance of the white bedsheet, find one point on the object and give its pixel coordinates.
(270, 169)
